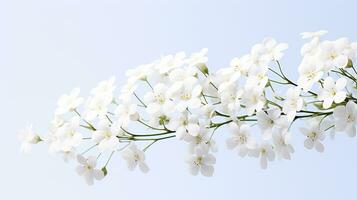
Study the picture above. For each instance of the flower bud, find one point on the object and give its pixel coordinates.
(105, 171)
(349, 64)
(203, 68)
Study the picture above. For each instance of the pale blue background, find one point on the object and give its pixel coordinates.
(47, 47)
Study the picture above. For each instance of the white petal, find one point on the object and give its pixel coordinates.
(263, 162)
(89, 178)
(143, 167)
(340, 97)
(194, 169)
(98, 174)
(327, 102)
(341, 83)
(207, 170)
(82, 160)
(80, 170)
(309, 144)
(319, 146)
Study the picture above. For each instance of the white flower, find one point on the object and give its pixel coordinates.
(102, 96)
(314, 135)
(207, 111)
(230, 97)
(135, 157)
(239, 66)
(141, 72)
(201, 140)
(28, 137)
(258, 56)
(126, 114)
(242, 139)
(309, 73)
(320, 33)
(292, 103)
(332, 54)
(198, 58)
(269, 122)
(104, 87)
(67, 135)
(68, 103)
(282, 144)
(266, 152)
(170, 62)
(274, 50)
(68, 155)
(105, 137)
(187, 96)
(87, 169)
(184, 124)
(332, 92)
(257, 78)
(253, 101)
(157, 99)
(97, 106)
(126, 93)
(181, 76)
(346, 118)
(202, 162)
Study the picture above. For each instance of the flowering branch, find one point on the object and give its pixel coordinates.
(178, 97)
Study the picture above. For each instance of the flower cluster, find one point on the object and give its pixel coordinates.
(177, 96)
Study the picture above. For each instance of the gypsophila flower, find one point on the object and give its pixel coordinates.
(87, 169)
(28, 138)
(332, 92)
(292, 103)
(68, 103)
(242, 139)
(268, 122)
(346, 118)
(201, 162)
(314, 136)
(266, 153)
(105, 137)
(135, 157)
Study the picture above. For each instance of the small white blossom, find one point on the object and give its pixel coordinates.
(187, 96)
(292, 103)
(105, 137)
(241, 139)
(126, 114)
(135, 157)
(198, 58)
(201, 161)
(171, 62)
(274, 49)
(332, 92)
(346, 118)
(320, 33)
(282, 144)
(157, 99)
(269, 122)
(88, 170)
(184, 124)
(68, 103)
(309, 73)
(28, 138)
(66, 137)
(266, 153)
(314, 135)
(253, 100)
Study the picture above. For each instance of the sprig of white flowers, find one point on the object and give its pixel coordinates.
(178, 97)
